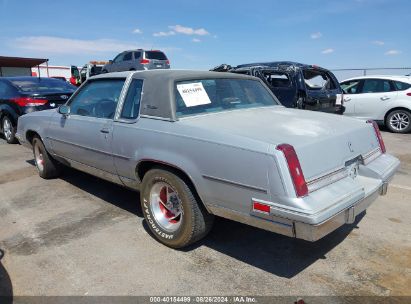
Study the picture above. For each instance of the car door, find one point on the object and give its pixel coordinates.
(350, 88)
(373, 98)
(125, 127)
(85, 135)
(127, 63)
(117, 62)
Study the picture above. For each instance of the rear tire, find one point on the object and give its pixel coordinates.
(9, 130)
(399, 121)
(46, 166)
(180, 219)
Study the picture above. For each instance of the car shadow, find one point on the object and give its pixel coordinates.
(6, 287)
(107, 191)
(280, 255)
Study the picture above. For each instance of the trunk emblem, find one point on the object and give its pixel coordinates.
(63, 96)
(350, 147)
(52, 105)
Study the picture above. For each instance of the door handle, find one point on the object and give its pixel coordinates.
(384, 98)
(347, 98)
(105, 130)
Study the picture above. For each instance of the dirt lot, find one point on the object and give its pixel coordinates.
(79, 235)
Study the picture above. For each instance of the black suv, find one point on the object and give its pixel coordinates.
(22, 95)
(296, 85)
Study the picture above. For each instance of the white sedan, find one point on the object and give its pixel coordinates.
(385, 99)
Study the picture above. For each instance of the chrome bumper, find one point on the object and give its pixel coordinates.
(313, 233)
(300, 230)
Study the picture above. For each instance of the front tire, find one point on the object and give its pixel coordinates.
(399, 121)
(46, 166)
(9, 130)
(173, 213)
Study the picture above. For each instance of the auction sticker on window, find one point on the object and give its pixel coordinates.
(193, 94)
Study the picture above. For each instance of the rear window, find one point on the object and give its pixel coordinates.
(401, 86)
(155, 55)
(217, 95)
(318, 80)
(43, 85)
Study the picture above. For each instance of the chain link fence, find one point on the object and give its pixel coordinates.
(342, 74)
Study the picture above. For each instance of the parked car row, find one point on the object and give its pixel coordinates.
(22, 95)
(296, 85)
(203, 144)
(385, 99)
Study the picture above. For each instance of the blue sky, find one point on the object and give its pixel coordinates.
(202, 34)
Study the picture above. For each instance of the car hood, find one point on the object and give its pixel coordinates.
(323, 142)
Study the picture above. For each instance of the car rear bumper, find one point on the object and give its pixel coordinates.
(312, 227)
(313, 233)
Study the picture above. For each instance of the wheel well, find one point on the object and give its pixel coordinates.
(394, 109)
(144, 166)
(30, 136)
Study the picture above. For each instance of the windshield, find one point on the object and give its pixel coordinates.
(195, 97)
(41, 85)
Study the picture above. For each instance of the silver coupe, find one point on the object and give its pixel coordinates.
(203, 144)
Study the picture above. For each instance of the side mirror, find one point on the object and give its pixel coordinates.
(110, 61)
(64, 110)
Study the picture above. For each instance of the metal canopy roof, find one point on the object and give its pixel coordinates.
(20, 62)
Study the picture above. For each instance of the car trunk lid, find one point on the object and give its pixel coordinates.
(323, 142)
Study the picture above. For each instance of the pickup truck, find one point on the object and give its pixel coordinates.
(203, 144)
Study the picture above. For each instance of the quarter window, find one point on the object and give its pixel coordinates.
(98, 98)
(132, 102)
(137, 55)
(401, 86)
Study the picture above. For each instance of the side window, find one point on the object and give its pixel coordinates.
(350, 87)
(401, 86)
(131, 104)
(97, 98)
(376, 86)
(119, 58)
(137, 55)
(127, 56)
(278, 80)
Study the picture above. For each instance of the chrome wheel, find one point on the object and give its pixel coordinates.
(399, 121)
(166, 206)
(7, 128)
(38, 157)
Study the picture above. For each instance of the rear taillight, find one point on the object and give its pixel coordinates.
(168, 62)
(29, 102)
(409, 94)
(144, 61)
(294, 167)
(378, 134)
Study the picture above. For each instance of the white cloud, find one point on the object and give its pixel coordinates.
(378, 42)
(59, 45)
(316, 35)
(327, 51)
(196, 40)
(164, 34)
(188, 30)
(137, 31)
(393, 52)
